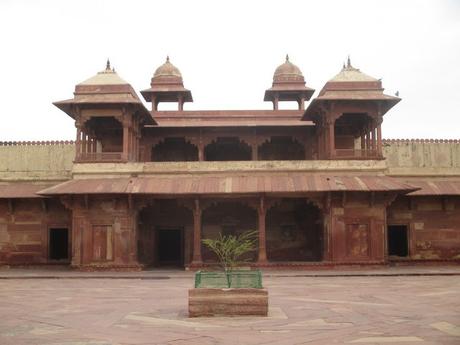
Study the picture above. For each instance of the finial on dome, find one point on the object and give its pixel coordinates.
(113, 69)
(343, 67)
(287, 57)
(107, 66)
(167, 58)
(348, 62)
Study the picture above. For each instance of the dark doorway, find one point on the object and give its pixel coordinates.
(59, 244)
(398, 244)
(170, 247)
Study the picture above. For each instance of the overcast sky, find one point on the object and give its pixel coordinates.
(227, 52)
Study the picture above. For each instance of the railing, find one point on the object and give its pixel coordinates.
(356, 154)
(99, 157)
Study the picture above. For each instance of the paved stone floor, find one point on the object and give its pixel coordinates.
(303, 310)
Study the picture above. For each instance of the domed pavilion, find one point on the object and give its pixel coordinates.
(288, 85)
(167, 86)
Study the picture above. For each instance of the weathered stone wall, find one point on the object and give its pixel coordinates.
(294, 231)
(104, 233)
(433, 224)
(24, 229)
(51, 160)
(356, 228)
(228, 218)
(422, 157)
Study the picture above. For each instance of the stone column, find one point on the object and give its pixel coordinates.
(374, 134)
(262, 212)
(84, 148)
(275, 102)
(78, 143)
(154, 103)
(379, 140)
(301, 103)
(200, 151)
(125, 155)
(94, 144)
(368, 140)
(255, 150)
(180, 103)
(331, 139)
(197, 212)
(132, 149)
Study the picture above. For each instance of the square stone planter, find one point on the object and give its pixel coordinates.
(227, 302)
(212, 296)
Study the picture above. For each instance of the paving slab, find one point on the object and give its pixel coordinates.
(367, 309)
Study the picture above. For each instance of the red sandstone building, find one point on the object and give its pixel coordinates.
(143, 187)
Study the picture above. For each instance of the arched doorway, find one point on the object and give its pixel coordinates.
(165, 234)
(294, 231)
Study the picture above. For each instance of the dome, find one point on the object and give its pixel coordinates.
(288, 71)
(167, 70)
(167, 85)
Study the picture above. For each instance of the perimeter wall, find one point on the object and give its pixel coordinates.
(32, 160)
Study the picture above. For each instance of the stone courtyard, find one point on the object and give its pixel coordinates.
(64, 308)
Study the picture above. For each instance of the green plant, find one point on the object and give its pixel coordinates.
(230, 248)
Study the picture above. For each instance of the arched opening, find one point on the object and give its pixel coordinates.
(228, 149)
(281, 148)
(351, 132)
(102, 139)
(165, 234)
(294, 231)
(174, 150)
(227, 218)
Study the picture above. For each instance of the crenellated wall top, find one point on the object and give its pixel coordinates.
(396, 141)
(35, 143)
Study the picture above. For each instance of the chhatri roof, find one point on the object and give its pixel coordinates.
(105, 77)
(105, 88)
(350, 84)
(166, 84)
(167, 69)
(351, 74)
(288, 84)
(287, 71)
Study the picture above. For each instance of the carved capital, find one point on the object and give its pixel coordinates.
(389, 198)
(67, 201)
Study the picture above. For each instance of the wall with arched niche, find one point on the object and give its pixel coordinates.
(294, 231)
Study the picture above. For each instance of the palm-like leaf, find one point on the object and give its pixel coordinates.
(230, 248)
